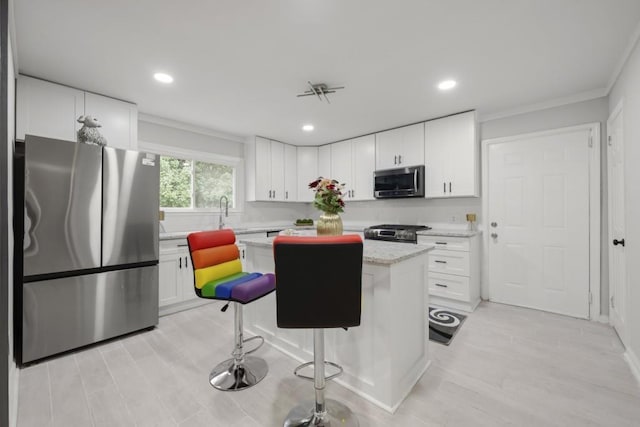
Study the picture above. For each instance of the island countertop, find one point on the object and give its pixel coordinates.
(374, 251)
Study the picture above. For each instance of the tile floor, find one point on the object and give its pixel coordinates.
(506, 366)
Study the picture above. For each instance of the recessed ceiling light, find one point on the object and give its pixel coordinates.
(447, 84)
(307, 128)
(163, 77)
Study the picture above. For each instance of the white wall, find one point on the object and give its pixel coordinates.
(627, 88)
(251, 214)
(13, 370)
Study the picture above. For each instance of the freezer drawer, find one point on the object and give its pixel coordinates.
(62, 314)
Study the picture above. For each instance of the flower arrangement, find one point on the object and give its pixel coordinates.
(328, 195)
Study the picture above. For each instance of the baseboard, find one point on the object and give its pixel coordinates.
(634, 363)
(13, 394)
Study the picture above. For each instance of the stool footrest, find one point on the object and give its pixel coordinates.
(307, 377)
(257, 337)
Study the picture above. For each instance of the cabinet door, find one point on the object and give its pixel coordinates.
(277, 171)
(184, 263)
(263, 169)
(341, 165)
(363, 152)
(119, 120)
(412, 145)
(463, 157)
(436, 158)
(47, 109)
(290, 173)
(324, 161)
(388, 145)
(307, 172)
(170, 277)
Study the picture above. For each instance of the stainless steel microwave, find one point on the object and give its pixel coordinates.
(401, 182)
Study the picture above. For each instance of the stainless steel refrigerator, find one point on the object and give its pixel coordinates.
(87, 263)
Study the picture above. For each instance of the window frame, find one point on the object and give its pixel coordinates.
(202, 156)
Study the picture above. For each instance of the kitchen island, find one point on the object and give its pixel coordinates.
(386, 355)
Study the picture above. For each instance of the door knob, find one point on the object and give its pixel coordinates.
(494, 235)
(617, 242)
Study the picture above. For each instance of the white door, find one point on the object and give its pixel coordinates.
(263, 169)
(538, 216)
(290, 173)
(617, 264)
(307, 172)
(119, 120)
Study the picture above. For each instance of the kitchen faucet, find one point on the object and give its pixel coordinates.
(226, 211)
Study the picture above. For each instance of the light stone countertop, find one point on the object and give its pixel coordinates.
(238, 231)
(449, 233)
(374, 251)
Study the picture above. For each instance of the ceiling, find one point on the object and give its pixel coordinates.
(238, 65)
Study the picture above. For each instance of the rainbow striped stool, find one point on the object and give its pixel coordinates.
(218, 274)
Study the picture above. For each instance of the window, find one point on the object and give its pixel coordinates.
(194, 184)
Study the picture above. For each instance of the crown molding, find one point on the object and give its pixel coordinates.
(556, 102)
(149, 118)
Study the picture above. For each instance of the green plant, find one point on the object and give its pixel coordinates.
(328, 195)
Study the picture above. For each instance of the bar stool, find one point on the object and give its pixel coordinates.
(218, 274)
(319, 286)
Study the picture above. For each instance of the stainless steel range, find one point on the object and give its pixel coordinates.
(395, 232)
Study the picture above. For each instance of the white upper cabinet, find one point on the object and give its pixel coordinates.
(290, 173)
(341, 165)
(266, 170)
(353, 163)
(47, 109)
(400, 147)
(451, 153)
(363, 164)
(324, 161)
(307, 172)
(51, 110)
(119, 120)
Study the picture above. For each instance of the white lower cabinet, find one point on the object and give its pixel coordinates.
(176, 292)
(454, 271)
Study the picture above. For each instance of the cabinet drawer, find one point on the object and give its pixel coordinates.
(450, 262)
(449, 286)
(174, 244)
(446, 243)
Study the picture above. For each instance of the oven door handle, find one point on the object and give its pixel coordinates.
(415, 179)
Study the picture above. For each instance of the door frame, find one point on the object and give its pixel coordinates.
(594, 207)
(617, 110)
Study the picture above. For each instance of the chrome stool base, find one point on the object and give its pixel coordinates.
(227, 376)
(336, 415)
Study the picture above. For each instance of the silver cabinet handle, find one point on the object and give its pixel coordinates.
(494, 235)
(395, 160)
(180, 263)
(441, 285)
(444, 187)
(185, 262)
(449, 187)
(399, 159)
(441, 243)
(274, 194)
(440, 262)
(494, 224)
(286, 195)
